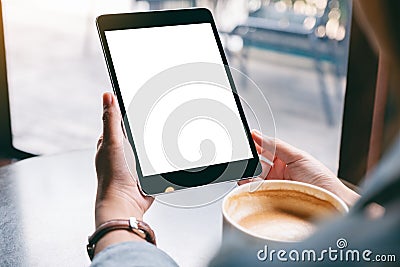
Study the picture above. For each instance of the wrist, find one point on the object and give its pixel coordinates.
(110, 209)
(118, 231)
(347, 195)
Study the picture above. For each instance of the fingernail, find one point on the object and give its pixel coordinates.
(107, 100)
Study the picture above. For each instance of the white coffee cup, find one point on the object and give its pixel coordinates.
(278, 210)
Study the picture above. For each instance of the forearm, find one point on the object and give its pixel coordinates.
(111, 209)
(115, 237)
(134, 253)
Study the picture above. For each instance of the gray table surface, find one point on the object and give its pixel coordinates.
(47, 213)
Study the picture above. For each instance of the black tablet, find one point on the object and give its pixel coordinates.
(150, 53)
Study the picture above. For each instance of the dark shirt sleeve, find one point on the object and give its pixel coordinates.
(132, 254)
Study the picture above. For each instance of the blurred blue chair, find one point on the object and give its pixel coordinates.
(158, 4)
(295, 33)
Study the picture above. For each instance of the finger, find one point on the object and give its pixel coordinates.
(283, 150)
(278, 170)
(258, 148)
(257, 137)
(287, 153)
(265, 149)
(266, 169)
(112, 131)
(249, 180)
(267, 143)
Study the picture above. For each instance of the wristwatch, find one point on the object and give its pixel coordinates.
(133, 225)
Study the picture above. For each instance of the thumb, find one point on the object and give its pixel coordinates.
(112, 131)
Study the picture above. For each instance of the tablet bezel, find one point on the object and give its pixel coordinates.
(157, 184)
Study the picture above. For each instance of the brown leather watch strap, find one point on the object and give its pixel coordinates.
(137, 227)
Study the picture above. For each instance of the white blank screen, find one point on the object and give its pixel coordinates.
(138, 55)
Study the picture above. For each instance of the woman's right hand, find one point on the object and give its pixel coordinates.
(294, 164)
